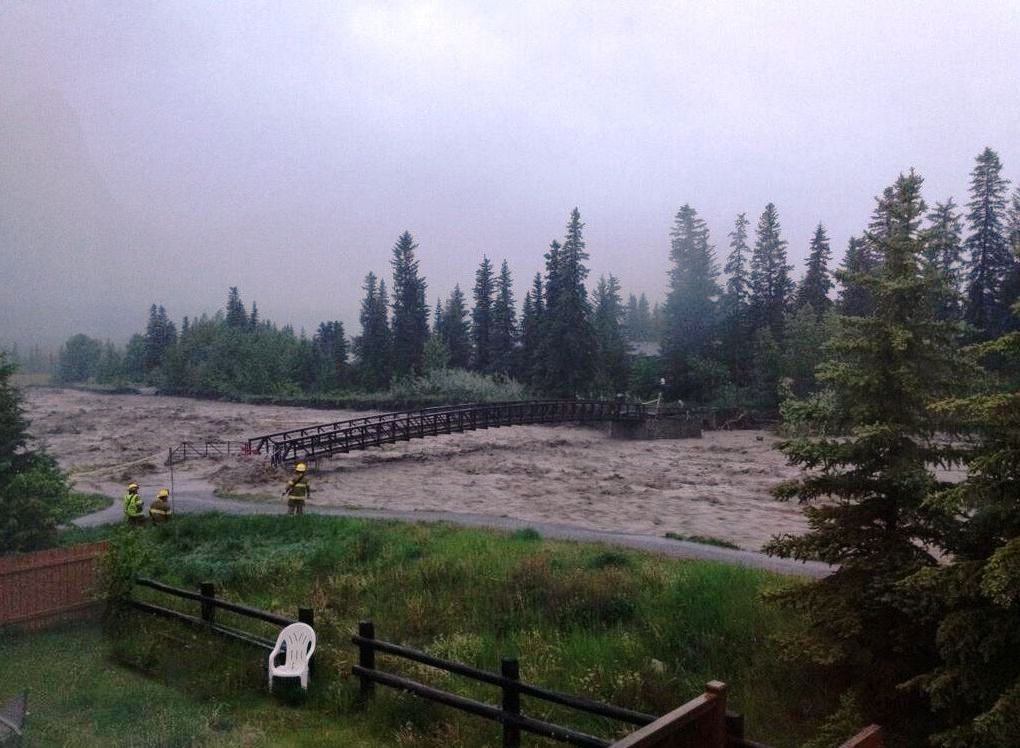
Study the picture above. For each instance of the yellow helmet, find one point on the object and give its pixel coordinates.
(163, 493)
(132, 485)
(301, 467)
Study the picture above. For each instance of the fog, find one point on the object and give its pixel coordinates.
(161, 152)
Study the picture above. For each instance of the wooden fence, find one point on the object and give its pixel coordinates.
(208, 604)
(42, 588)
(702, 722)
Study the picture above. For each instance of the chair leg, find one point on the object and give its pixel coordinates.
(270, 682)
(304, 679)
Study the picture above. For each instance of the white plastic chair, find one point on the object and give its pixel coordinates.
(299, 640)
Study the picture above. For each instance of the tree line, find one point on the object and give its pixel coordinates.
(747, 335)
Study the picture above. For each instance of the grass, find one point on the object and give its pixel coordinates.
(632, 629)
(79, 504)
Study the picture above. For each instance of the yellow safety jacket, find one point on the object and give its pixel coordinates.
(298, 489)
(160, 509)
(132, 505)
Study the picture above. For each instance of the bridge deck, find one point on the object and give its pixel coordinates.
(388, 428)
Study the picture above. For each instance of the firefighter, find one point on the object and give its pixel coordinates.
(160, 511)
(133, 505)
(297, 490)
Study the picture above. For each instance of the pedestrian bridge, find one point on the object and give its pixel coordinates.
(325, 440)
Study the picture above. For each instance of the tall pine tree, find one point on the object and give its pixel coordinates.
(942, 253)
(771, 286)
(611, 363)
(481, 317)
(990, 260)
(859, 263)
(455, 331)
(410, 327)
(691, 314)
(529, 362)
(503, 337)
(568, 338)
(372, 347)
(814, 289)
(869, 449)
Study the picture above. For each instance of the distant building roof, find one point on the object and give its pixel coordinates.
(645, 348)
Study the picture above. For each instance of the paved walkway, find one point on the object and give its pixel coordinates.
(188, 501)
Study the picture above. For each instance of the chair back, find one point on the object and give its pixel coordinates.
(300, 641)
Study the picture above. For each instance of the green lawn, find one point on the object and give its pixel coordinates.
(637, 630)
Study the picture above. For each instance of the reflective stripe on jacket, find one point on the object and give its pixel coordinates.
(298, 489)
(132, 505)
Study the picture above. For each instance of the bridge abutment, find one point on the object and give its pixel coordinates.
(657, 428)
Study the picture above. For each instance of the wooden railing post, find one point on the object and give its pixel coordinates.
(208, 589)
(366, 658)
(510, 669)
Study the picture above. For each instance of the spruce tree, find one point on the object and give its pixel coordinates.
(503, 337)
(691, 314)
(975, 689)
(855, 296)
(814, 289)
(611, 363)
(737, 280)
(329, 354)
(455, 331)
(31, 485)
(771, 286)
(237, 317)
(568, 338)
(372, 347)
(410, 328)
(870, 446)
(943, 247)
(481, 317)
(529, 363)
(990, 260)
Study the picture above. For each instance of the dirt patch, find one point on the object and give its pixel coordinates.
(716, 486)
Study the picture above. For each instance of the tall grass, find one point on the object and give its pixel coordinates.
(636, 630)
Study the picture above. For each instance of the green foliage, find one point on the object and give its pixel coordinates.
(814, 289)
(410, 327)
(771, 286)
(455, 386)
(504, 333)
(637, 630)
(373, 347)
(79, 359)
(611, 358)
(990, 261)
(481, 317)
(32, 487)
(453, 330)
(866, 494)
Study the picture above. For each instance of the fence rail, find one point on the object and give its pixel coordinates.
(355, 434)
(208, 604)
(702, 722)
(41, 588)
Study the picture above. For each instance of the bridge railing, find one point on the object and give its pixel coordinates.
(364, 433)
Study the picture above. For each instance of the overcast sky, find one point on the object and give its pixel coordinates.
(163, 151)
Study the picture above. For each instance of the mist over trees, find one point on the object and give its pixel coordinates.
(745, 336)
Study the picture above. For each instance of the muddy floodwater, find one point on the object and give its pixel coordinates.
(716, 486)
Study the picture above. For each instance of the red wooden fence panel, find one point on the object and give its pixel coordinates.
(42, 588)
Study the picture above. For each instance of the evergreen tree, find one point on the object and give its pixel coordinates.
(529, 366)
(237, 317)
(503, 337)
(110, 367)
(329, 354)
(31, 485)
(568, 338)
(737, 280)
(976, 598)
(410, 327)
(736, 320)
(990, 261)
(253, 318)
(160, 338)
(456, 333)
(943, 248)
(611, 363)
(855, 296)
(870, 445)
(481, 317)
(373, 346)
(814, 289)
(691, 313)
(771, 286)
(804, 348)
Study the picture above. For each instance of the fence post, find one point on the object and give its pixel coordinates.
(208, 589)
(366, 658)
(510, 669)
